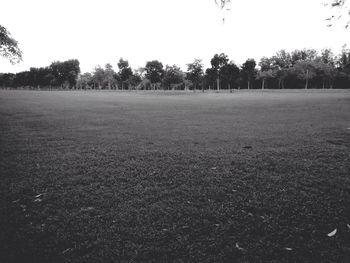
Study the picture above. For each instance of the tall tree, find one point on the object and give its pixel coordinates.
(217, 62)
(305, 70)
(210, 77)
(98, 77)
(195, 72)
(265, 75)
(172, 75)
(109, 74)
(249, 71)
(154, 71)
(66, 73)
(230, 75)
(9, 46)
(125, 71)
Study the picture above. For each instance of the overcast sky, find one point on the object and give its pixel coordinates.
(172, 31)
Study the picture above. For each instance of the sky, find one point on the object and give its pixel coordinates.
(97, 32)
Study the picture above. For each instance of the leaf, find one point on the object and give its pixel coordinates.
(66, 250)
(348, 226)
(86, 209)
(331, 234)
(239, 248)
(289, 248)
(39, 195)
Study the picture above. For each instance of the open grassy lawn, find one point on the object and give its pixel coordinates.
(174, 177)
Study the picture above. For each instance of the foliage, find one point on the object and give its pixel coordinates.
(249, 71)
(195, 71)
(230, 75)
(342, 9)
(296, 69)
(154, 71)
(172, 75)
(9, 47)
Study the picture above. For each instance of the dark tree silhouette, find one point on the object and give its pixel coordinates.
(154, 71)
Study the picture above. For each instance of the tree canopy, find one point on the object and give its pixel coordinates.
(9, 46)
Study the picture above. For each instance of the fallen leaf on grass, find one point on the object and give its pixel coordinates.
(39, 195)
(239, 248)
(16, 201)
(348, 226)
(38, 200)
(85, 209)
(23, 207)
(288, 248)
(213, 168)
(332, 233)
(66, 251)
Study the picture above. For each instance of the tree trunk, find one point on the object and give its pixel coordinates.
(263, 84)
(323, 84)
(218, 84)
(248, 84)
(229, 87)
(307, 79)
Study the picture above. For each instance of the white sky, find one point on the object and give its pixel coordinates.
(172, 31)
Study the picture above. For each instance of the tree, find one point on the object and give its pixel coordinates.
(282, 60)
(265, 75)
(125, 71)
(217, 62)
(280, 63)
(108, 78)
(98, 77)
(305, 70)
(343, 62)
(303, 55)
(9, 47)
(134, 81)
(65, 73)
(327, 56)
(172, 75)
(325, 72)
(248, 71)
(84, 81)
(195, 72)
(154, 71)
(230, 74)
(210, 76)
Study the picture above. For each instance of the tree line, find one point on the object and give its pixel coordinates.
(304, 68)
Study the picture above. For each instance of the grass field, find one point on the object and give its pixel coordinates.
(174, 177)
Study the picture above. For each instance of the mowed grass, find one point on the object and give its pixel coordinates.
(174, 177)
